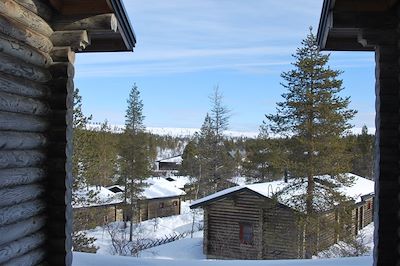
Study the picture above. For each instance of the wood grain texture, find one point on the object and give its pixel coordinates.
(21, 246)
(16, 195)
(24, 158)
(24, 105)
(76, 39)
(31, 258)
(21, 176)
(16, 67)
(24, 16)
(63, 54)
(38, 7)
(22, 122)
(24, 52)
(20, 212)
(25, 35)
(103, 22)
(62, 69)
(10, 140)
(23, 87)
(21, 229)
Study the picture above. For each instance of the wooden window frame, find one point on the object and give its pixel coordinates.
(243, 234)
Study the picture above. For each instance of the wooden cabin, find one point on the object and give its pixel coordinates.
(97, 215)
(38, 42)
(159, 199)
(249, 222)
(168, 165)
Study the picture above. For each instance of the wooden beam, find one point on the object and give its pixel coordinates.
(13, 10)
(23, 211)
(23, 87)
(23, 105)
(31, 258)
(20, 229)
(362, 20)
(17, 195)
(24, 52)
(21, 246)
(63, 54)
(106, 22)
(364, 5)
(62, 69)
(11, 140)
(77, 39)
(24, 158)
(25, 34)
(78, 7)
(20, 176)
(11, 65)
(38, 7)
(21, 122)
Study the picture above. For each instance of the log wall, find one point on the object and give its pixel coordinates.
(171, 206)
(281, 232)
(24, 123)
(222, 227)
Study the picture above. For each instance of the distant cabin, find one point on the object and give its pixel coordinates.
(251, 222)
(160, 199)
(96, 206)
(168, 165)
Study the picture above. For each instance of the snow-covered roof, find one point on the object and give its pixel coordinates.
(290, 193)
(179, 181)
(160, 188)
(95, 196)
(176, 159)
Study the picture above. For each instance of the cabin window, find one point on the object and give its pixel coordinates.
(161, 205)
(175, 203)
(369, 205)
(246, 233)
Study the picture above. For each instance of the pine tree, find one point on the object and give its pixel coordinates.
(81, 143)
(105, 154)
(316, 118)
(134, 151)
(362, 149)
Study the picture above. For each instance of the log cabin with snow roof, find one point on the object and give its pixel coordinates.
(97, 206)
(258, 221)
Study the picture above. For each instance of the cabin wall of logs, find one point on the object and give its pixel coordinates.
(277, 230)
(37, 52)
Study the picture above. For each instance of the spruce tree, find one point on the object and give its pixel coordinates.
(81, 143)
(222, 162)
(135, 163)
(315, 117)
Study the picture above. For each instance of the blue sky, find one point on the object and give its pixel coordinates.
(187, 47)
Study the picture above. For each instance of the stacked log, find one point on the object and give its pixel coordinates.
(24, 122)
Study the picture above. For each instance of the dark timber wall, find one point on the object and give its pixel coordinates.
(222, 229)
(25, 113)
(36, 89)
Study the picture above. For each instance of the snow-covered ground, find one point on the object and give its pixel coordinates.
(151, 229)
(365, 238)
(189, 251)
(86, 259)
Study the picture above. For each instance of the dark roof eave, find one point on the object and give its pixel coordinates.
(126, 29)
(323, 28)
